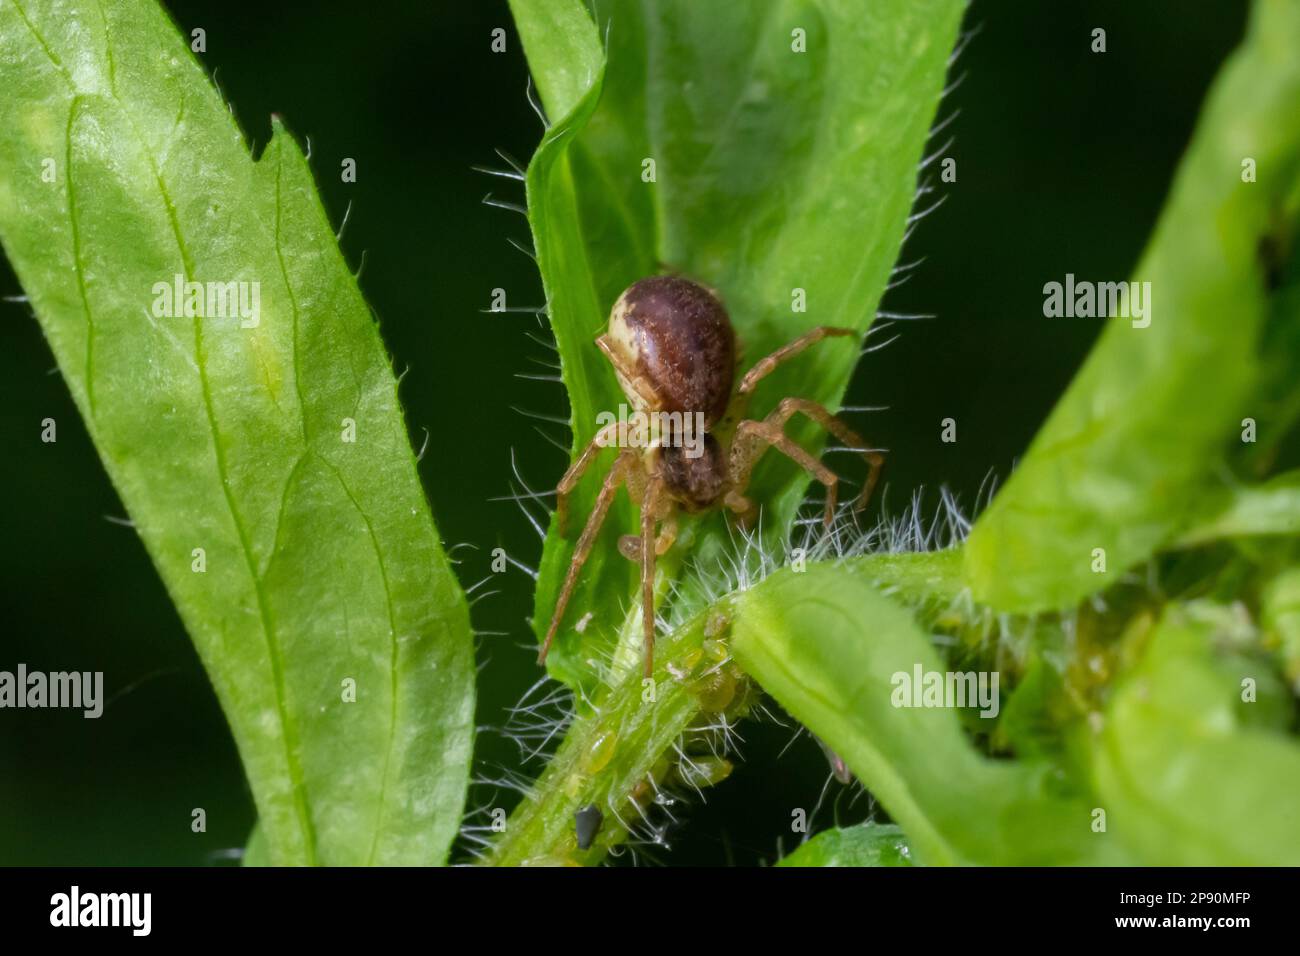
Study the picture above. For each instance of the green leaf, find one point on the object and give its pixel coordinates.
(1272, 508)
(1184, 778)
(321, 564)
(1274, 411)
(1282, 620)
(774, 170)
(869, 844)
(829, 648)
(914, 577)
(1127, 454)
(561, 44)
(255, 850)
(566, 277)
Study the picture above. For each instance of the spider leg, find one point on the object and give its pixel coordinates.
(789, 407)
(751, 440)
(626, 460)
(576, 471)
(650, 505)
(767, 365)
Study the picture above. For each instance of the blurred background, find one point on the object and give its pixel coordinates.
(1063, 157)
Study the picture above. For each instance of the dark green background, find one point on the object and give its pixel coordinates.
(1064, 158)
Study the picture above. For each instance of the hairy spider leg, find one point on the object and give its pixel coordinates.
(789, 407)
(622, 470)
(751, 440)
(747, 446)
(571, 477)
(650, 505)
(767, 365)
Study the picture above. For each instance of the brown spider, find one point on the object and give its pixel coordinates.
(674, 351)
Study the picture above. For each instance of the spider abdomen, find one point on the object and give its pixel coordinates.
(674, 335)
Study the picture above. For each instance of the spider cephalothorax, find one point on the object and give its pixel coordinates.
(674, 351)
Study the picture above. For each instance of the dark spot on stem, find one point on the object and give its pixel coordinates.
(586, 824)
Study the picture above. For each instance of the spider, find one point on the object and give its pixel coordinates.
(673, 349)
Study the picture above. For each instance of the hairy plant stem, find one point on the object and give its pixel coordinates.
(642, 738)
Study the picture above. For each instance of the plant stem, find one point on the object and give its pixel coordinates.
(644, 738)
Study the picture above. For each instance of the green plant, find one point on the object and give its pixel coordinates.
(1136, 583)
(263, 459)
